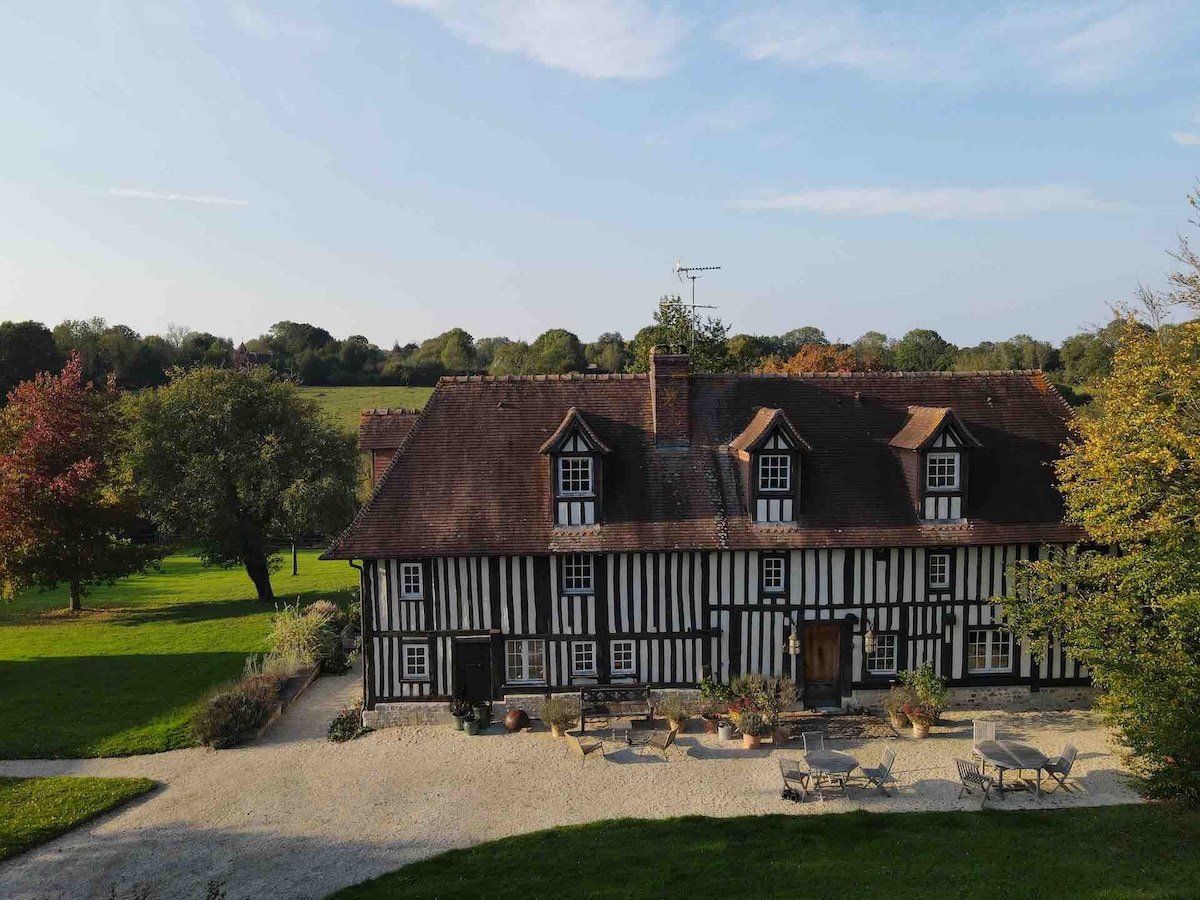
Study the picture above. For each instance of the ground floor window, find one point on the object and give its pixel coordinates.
(989, 650)
(526, 661)
(583, 658)
(882, 659)
(622, 658)
(416, 662)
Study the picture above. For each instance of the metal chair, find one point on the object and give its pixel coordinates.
(660, 743)
(813, 740)
(881, 775)
(583, 748)
(1059, 767)
(972, 779)
(795, 780)
(984, 731)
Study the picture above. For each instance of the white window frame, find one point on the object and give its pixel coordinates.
(938, 585)
(578, 574)
(624, 647)
(941, 457)
(779, 479)
(570, 469)
(525, 654)
(995, 639)
(580, 653)
(406, 571)
(888, 637)
(769, 561)
(413, 672)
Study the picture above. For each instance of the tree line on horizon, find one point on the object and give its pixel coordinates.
(311, 355)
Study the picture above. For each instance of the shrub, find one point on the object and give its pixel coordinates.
(229, 712)
(674, 708)
(753, 724)
(898, 697)
(920, 713)
(558, 712)
(929, 687)
(718, 693)
(460, 706)
(295, 635)
(711, 708)
(329, 611)
(284, 667)
(347, 725)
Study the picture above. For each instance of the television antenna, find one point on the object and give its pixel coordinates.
(691, 273)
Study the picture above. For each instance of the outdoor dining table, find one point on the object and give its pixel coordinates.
(1006, 755)
(837, 766)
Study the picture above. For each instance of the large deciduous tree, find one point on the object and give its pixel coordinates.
(26, 349)
(923, 350)
(678, 328)
(67, 511)
(231, 459)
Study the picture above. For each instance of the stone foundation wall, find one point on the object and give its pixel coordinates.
(1015, 698)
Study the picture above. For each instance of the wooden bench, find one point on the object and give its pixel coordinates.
(609, 701)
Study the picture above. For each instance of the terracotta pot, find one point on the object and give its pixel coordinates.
(679, 725)
(751, 741)
(710, 726)
(516, 720)
(556, 731)
(899, 720)
(920, 731)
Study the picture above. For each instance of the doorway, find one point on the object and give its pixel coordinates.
(822, 663)
(473, 670)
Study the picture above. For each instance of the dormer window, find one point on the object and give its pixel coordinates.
(775, 472)
(937, 446)
(576, 454)
(941, 471)
(770, 450)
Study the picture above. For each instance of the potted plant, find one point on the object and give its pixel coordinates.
(559, 713)
(676, 710)
(483, 712)
(922, 716)
(753, 726)
(775, 695)
(725, 730)
(710, 712)
(929, 687)
(459, 710)
(894, 703)
(471, 724)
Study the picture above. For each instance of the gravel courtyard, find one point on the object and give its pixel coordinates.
(296, 816)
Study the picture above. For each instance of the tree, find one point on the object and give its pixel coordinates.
(319, 506)
(874, 352)
(556, 352)
(796, 338)
(510, 359)
(677, 328)
(815, 358)
(217, 453)
(608, 353)
(67, 510)
(26, 349)
(923, 350)
(458, 351)
(485, 350)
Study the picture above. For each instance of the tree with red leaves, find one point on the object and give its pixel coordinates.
(66, 507)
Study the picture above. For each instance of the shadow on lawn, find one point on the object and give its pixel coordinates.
(184, 613)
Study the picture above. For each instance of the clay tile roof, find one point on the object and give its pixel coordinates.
(385, 429)
(761, 425)
(470, 477)
(923, 425)
(574, 420)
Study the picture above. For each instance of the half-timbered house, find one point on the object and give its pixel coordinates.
(535, 534)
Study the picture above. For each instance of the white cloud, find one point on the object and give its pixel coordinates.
(592, 38)
(931, 203)
(1186, 138)
(139, 194)
(1080, 45)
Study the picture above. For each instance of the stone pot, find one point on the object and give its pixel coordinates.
(725, 731)
(920, 731)
(516, 720)
(751, 741)
(458, 722)
(471, 725)
(483, 712)
(898, 719)
(710, 725)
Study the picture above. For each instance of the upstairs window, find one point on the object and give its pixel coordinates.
(574, 476)
(411, 587)
(577, 573)
(773, 577)
(941, 472)
(775, 472)
(939, 571)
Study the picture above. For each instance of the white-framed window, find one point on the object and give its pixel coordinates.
(939, 571)
(989, 650)
(774, 580)
(583, 658)
(624, 661)
(882, 659)
(526, 661)
(416, 662)
(577, 573)
(574, 475)
(941, 471)
(775, 472)
(411, 577)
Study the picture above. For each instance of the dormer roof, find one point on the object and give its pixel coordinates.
(574, 423)
(385, 429)
(765, 422)
(925, 423)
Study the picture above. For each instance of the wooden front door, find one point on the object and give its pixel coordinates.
(473, 670)
(822, 664)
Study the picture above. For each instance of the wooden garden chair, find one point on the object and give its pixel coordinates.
(795, 780)
(1059, 767)
(984, 731)
(881, 775)
(972, 779)
(584, 747)
(660, 742)
(813, 740)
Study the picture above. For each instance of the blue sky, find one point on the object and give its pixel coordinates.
(397, 168)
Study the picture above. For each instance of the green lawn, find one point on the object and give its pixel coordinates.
(1108, 852)
(345, 403)
(124, 676)
(34, 810)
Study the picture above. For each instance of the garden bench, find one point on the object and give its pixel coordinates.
(613, 702)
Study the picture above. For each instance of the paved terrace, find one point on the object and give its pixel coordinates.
(296, 816)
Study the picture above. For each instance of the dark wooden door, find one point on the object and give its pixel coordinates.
(822, 663)
(473, 670)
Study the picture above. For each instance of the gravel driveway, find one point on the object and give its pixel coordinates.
(296, 816)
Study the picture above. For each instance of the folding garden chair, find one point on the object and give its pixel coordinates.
(881, 775)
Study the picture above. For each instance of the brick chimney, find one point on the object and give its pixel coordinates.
(670, 397)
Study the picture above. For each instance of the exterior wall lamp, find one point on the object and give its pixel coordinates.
(869, 638)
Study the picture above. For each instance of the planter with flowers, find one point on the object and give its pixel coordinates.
(894, 703)
(922, 716)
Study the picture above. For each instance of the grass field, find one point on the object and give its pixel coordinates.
(123, 677)
(34, 810)
(1106, 852)
(345, 403)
